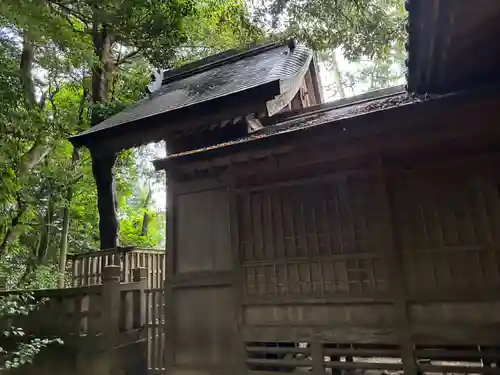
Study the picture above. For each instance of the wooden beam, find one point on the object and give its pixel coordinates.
(394, 266)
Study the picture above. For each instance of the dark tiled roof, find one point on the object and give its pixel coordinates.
(323, 115)
(231, 73)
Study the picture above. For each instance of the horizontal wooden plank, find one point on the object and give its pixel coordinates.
(306, 180)
(279, 362)
(364, 365)
(457, 354)
(202, 278)
(118, 250)
(361, 335)
(130, 287)
(455, 334)
(198, 185)
(312, 258)
(55, 293)
(263, 349)
(453, 295)
(262, 373)
(154, 290)
(340, 298)
(362, 352)
(460, 369)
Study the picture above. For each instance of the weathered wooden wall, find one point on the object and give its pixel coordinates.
(312, 269)
(370, 243)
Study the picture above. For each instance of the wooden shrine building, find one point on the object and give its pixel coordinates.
(360, 234)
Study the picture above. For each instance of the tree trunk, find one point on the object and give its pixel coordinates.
(102, 167)
(336, 74)
(145, 217)
(40, 254)
(14, 231)
(25, 67)
(43, 245)
(63, 247)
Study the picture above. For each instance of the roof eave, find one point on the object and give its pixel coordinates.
(154, 128)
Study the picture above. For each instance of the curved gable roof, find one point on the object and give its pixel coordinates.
(216, 77)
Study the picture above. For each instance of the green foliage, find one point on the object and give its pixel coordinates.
(23, 348)
(360, 27)
(51, 53)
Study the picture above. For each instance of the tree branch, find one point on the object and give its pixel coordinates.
(67, 10)
(14, 230)
(128, 56)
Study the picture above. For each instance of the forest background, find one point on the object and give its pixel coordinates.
(66, 65)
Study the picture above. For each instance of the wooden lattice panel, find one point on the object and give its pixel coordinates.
(317, 237)
(446, 222)
(317, 277)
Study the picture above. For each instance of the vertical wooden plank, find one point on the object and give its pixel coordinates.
(159, 266)
(327, 223)
(161, 331)
(77, 315)
(100, 269)
(257, 216)
(340, 229)
(301, 219)
(81, 272)
(73, 272)
(162, 264)
(156, 265)
(248, 231)
(154, 329)
(395, 268)
(291, 214)
(317, 357)
(278, 232)
(148, 293)
(170, 267)
(91, 270)
(139, 275)
(269, 228)
(111, 304)
(93, 323)
(239, 366)
(316, 229)
(125, 267)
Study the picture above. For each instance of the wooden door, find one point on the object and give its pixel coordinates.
(200, 290)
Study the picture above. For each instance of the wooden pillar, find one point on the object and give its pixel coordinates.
(394, 265)
(111, 305)
(170, 274)
(238, 273)
(140, 275)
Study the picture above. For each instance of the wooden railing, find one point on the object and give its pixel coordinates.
(102, 326)
(86, 268)
(110, 311)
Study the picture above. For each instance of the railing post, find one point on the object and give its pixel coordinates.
(140, 275)
(3, 282)
(111, 304)
(318, 359)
